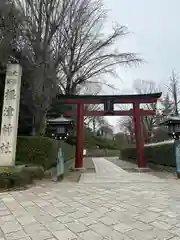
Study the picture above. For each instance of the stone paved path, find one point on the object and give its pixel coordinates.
(111, 204)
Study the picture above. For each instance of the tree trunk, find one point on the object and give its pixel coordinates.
(42, 126)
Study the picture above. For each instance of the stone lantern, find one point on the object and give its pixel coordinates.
(60, 127)
(173, 125)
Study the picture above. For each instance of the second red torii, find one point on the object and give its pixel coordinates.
(109, 101)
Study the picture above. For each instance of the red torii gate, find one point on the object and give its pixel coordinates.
(109, 101)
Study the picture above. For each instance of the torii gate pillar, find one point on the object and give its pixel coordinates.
(139, 135)
(79, 136)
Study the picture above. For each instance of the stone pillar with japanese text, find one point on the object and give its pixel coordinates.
(10, 115)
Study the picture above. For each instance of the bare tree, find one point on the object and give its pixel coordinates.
(126, 123)
(174, 90)
(41, 20)
(10, 27)
(148, 122)
(62, 43)
(85, 52)
(105, 129)
(93, 88)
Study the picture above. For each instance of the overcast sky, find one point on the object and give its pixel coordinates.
(155, 35)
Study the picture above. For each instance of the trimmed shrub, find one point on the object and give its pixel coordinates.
(103, 153)
(40, 151)
(158, 154)
(68, 151)
(14, 177)
(92, 141)
(35, 172)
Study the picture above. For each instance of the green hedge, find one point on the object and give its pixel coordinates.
(68, 151)
(103, 153)
(92, 141)
(157, 154)
(36, 150)
(19, 176)
(41, 151)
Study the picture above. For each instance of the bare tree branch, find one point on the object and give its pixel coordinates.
(87, 52)
(173, 88)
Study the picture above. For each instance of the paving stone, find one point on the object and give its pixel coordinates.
(16, 235)
(101, 229)
(122, 227)
(108, 221)
(54, 212)
(8, 199)
(162, 234)
(66, 219)
(175, 238)
(111, 204)
(42, 203)
(45, 218)
(175, 231)
(35, 210)
(67, 210)
(154, 209)
(54, 226)
(113, 235)
(3, 207)
(96, 215)
(87, 221)
(13, 205)
(77, 227)
(161, 225)
(41, 235)
(5, 212)
(89, 235)
(65, 235)
(26, 238)
(52, 238)
(26, 220)
(27, 203)
(140, 235)
(78, 214)
(147, 217)
(142, 226)
(33, 228)
(9, 227)
(8, 218)
(171, 221)
(20, 212)
(1, 233)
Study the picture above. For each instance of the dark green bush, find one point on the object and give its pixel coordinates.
(40, 151)
(92, 141)
(35, 172)
(157, 154)
(68, 151)
(102, 153)
(14, 178)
